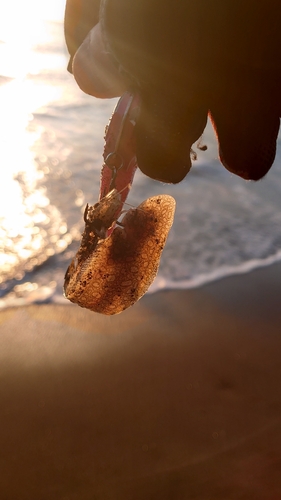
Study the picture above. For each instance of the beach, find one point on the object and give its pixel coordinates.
(178, 397)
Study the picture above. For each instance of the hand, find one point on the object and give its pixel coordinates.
(187, 60)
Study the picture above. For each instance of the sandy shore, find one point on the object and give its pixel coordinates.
(177, 398)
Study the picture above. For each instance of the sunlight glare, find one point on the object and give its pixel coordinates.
(22, 27)
(24, 207)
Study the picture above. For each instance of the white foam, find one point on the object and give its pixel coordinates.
(162, 283)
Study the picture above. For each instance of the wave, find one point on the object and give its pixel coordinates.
(162, 283)
(29, 293)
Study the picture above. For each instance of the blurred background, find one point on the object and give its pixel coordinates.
(51, 144)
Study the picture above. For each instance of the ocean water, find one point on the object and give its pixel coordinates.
(51, 145)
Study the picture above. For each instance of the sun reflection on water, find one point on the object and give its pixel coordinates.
(26, 214)
(22, 28)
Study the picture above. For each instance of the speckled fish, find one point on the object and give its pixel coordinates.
(121, 267)
(115, 266)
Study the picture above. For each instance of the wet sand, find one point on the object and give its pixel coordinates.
(177, 398)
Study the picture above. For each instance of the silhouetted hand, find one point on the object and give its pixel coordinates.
(186, 59)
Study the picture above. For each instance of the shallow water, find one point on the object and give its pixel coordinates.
(51, 145)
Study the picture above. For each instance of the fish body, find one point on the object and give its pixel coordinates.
(121, 267)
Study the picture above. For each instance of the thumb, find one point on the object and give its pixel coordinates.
(95, 69)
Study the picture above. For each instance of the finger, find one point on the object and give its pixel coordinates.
(80, 17)
(246, 120)
(95, 70)
(165, 132)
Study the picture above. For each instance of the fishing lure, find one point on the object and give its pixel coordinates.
(119, 269)
(120, 162)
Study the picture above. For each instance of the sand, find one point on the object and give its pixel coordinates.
(177, 398)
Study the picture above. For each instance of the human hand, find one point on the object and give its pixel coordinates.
(186, 60)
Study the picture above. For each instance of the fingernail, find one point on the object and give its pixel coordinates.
(95, 70)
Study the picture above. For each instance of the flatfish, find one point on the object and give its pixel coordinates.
(110, 273)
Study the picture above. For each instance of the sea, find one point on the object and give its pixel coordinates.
(51, 144)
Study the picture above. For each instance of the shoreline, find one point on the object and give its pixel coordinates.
(177, 397)
(43, 296)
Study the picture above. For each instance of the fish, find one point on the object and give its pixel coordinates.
(117, 260)
(114, 268)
